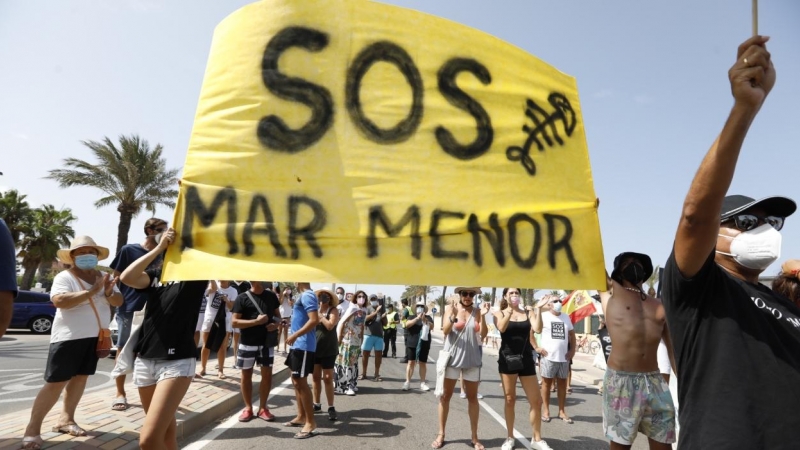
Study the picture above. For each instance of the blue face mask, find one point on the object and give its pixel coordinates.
(86, 262)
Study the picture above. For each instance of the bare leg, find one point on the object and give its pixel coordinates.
(365, 362)
(235, 347)
(562, 398)
(409, 370)
(204, 354)
(509, 380)
(44, 402)
(305, 409)
(423, 371)
(444, 406)
(316, 383)
(120, 382)
(72, 396)
(534, 395)
(473, 408)
(247, 388)
(547, 383)
(159, 429)
(327, 378)
(221, 354)
(196, 338)
(378, 357)
(655, 445)
(265, 387)
(666, 377)
(616, 446)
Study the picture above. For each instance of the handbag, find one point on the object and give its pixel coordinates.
(272, 336)
(103, 348)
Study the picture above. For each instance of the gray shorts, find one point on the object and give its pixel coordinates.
(553, 369)
(147, 372)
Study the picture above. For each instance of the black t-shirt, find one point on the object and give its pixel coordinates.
(241, 287)
(414, 332)
(737, 347)
(268, 302)
(170, 318)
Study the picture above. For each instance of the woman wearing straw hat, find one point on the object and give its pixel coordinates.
(327, 350)
(464, 329)
(82, 296)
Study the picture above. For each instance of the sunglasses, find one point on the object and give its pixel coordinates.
(747, 222)
(361, 296)
(467, 294)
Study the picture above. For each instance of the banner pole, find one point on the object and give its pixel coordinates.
(755, 17)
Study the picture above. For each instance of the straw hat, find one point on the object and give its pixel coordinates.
(476, 290)
(80, 242)
(334, 297)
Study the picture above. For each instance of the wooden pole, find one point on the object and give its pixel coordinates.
(755, 17)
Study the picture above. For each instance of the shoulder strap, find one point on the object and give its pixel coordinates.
(91, 303)
(255, 303)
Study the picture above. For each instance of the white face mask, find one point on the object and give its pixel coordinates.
(557, 307)
(341, 297)
(757, 248)
(420, 310)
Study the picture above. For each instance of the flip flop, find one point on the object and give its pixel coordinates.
(438, 443)
(378, 378)
(71, 429)
(221, 376)
(360, 377)
(120, 404)
(32, 443)
(567, 419)
(546, 419)
(305, 434)
(478, 446)
(293, 424)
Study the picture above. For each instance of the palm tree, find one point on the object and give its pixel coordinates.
(48, 231)
(16, 212)
(133, 177)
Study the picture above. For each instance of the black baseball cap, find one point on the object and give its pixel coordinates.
(645, 260)
(777, 206)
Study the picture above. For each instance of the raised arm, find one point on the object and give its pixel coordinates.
(134, 275)
(751, 78)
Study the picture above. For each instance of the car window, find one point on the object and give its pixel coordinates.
(31, 297)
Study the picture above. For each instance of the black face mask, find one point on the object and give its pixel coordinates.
(633, 273)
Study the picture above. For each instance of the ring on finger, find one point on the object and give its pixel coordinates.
(747, 64)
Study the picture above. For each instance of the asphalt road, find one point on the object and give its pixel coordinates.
(23, 356)
(384, 416)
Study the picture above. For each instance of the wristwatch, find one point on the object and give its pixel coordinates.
(453, 319)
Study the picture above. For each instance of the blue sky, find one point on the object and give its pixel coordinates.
(652, 77)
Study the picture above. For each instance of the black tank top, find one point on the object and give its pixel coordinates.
(327, 340)
(513, 340)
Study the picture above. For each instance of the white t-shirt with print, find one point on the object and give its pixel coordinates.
(212, 307)
(555, 336)
(78, 322)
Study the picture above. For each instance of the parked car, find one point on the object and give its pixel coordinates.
(34, 311)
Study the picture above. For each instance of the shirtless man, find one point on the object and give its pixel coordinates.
(635, 396)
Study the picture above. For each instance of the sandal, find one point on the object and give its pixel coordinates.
(360, 377)
(293, 424)
(378, 378)
(305, 434)
(478, 446)
(71, 429)
(32, 443)
(221, 376)
(569, 390)
(546, 419)
(120, 404)
(566, 419)
(438, 443)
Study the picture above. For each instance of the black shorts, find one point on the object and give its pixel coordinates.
(216, 336)
(420, 355)
(300, 362)
(327, 362)
(528, 366)
(66, 359)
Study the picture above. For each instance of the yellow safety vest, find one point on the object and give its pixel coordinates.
(390, 317)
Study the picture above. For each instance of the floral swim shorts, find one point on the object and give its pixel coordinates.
(634, 402)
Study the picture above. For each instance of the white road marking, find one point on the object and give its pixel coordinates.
(230, 423)
(502, 421)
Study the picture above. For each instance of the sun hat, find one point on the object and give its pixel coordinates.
(334, 297)
(647, 263)
(476, 290)
(80, 242)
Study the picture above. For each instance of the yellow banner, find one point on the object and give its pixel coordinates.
(350, 141)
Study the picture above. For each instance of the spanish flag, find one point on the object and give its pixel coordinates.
(578, 306)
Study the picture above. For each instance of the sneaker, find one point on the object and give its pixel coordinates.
(265, 415)
(350, 392)
(463, 395)
(480, 396)
(246, 415)
(406, 386)
(355, 388)
(424, 386)
(331, 413)
(508, 444)
(317, 407)
(540, 445)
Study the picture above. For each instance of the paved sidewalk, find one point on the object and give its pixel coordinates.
(208, 399)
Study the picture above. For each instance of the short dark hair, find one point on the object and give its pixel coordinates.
(153, 222)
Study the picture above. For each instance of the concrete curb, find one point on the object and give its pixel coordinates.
(222, 407)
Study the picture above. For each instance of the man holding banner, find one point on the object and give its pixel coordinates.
(635, 396)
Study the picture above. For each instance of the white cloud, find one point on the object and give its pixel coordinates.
(605, 93)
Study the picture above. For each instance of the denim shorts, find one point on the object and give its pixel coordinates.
(147, 372)
(372, 343)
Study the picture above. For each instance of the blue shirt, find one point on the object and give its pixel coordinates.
(133, 299)
(8, 261)
(308, 302)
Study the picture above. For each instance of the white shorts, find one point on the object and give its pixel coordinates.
(664, 366)
(200, 319)
(471, 374)
(228, 326)
(147, 372)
